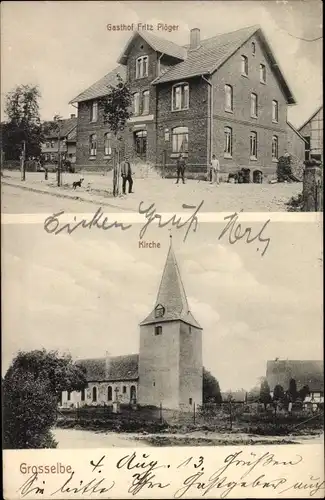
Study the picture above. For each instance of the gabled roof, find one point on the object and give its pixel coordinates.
(295, 130)
(100, 88)
(311, 117)
(171, 295)
(309, 373)
(158, 44)
(68, 125)
(211, 53)
(214, 52)
(119, 368)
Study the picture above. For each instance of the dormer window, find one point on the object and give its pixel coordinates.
(180, 97)
(141, 67)
(159, 311)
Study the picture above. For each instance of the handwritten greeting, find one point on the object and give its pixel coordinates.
(233, 229)
(213, 474)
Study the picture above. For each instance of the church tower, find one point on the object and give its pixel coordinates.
(170, 358)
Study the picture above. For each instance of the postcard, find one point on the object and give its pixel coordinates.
(161, 218)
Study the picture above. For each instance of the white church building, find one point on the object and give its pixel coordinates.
(168, 369)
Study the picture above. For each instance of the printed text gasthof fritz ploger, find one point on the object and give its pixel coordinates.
(142, 27)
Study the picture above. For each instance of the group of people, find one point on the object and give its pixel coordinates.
(213, 172)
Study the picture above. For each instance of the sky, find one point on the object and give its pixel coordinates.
(87, 293)
(64, 47)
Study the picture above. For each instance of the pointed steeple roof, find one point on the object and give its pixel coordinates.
(171, 296)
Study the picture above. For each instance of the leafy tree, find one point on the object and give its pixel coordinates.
(117, 106)
(117, 110)
(22, 110)
(278, 393)
(303, 392)
(211, 388)
(265, 396)
(292, 390)
(31, 391)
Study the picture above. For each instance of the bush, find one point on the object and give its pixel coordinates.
(25, 426)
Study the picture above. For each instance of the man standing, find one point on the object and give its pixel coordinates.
(180, 168)
(126, 173)
(215, 171)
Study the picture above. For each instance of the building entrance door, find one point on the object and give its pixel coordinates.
(140, 144)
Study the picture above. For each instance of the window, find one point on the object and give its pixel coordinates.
(94, 394)
(52, 144)
(244, 65)
(180, 97)
(140, 139)
(124, 389)
(94, 111)
(262, 73)
(180, 140)
(83, 394)
(228, 142)
(159, 311)
(133, 393)
(228, 98)
(141, 68)
(109, 393)
(275, 111)
(158, 330)
(68, 395)
(107, 144)
(145, 102)
(253, 105)
(47, 145)
(275, 147)
(253, 48)
(253, 145)
(190, 401)
(136, 103)
(93, 145)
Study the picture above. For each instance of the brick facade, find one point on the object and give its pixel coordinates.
(206, 100)
(240, 120)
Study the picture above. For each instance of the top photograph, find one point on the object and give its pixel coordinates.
(118, 104)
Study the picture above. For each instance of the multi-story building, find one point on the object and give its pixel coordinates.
(68, 139)
(312, 131)
(225, 95)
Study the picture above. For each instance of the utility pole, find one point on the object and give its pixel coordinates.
(22, 162)
(59, 157)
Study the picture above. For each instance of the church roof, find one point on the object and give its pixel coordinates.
(172, 296)
(119, 368)
(307, 372)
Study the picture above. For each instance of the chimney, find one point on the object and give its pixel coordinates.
(194, 38)
(107, 364)
(72, 116)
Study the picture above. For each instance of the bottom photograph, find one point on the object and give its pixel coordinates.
(172, 338)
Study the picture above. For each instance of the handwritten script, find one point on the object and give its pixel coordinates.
(192, 476)
(234, 230)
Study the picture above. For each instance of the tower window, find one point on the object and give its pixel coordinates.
(190, 401)
(158, 330)
(159, 311)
